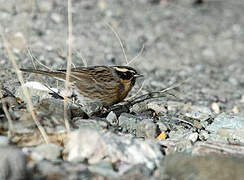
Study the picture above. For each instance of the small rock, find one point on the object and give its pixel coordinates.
(235, 110)
(90, 123)
(128, 122)
(158, 107)
(235, 135)
(112, 118)
(193, 137)
(162, 126)
(138, 108)
(56, 18)
(203, 135)
(146, 128)
(215, 107)
(36, 91)
(86, 144)
(136, 126)
(226, 121)
(199, 112)
(46, 151)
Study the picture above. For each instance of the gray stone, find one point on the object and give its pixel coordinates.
(128, 122)
(193, 137)
(84, 144)
(96, 147)
(162, 126)
(203, 135)
(146, 128)
(136, 126)
(90, 123)
(232, 135)
(36, 91)
(139, 107)
(12, 164)
(46, 151)
(112, 118)
(226, 121)
(158, 107)
(199, 112)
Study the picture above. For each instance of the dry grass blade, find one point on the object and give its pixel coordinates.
(25, 91)
(139, 90)
(34, 58)
(139, 54)
(68, 69)
(175, 85)
(120, 42)
(82, 58)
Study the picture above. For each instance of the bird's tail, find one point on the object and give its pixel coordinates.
(57, 74)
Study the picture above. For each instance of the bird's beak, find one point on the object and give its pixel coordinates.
(138, 75)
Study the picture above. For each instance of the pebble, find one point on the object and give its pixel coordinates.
(199, 112)
(112, 118)
(46, 151)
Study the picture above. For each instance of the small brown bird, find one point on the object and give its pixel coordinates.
(108, 84)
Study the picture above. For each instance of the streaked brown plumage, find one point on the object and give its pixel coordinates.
(108, 84)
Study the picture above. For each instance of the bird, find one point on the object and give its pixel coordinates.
(107, 84)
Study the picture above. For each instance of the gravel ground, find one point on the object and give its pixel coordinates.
(200, 43)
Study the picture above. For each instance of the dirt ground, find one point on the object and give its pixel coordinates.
(202, 42)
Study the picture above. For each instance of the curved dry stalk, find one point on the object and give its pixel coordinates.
(175, 85)
(120, 42)
(34, 58)
(139, 54)
(25, 91)
(82, 58)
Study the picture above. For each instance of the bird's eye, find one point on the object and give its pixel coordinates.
(126, 75)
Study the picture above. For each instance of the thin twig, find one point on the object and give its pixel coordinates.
(68, 69)
(175, 85)
(82, 58)
(139, 54)
(25, 91)
(34, 58)
(120, 42)
(139, 90)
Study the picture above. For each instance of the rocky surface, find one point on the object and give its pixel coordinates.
(194, 130)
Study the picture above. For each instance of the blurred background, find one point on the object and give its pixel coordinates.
(201, 40)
